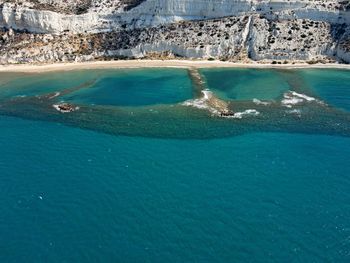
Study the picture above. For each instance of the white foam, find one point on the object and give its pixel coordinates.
(259, 102)
(303, 96)
(240, 115)
(58, 108)
(202, 103)
(197, 103)
(289, 101)
(207, 94)
(56, 94)
(293, 98)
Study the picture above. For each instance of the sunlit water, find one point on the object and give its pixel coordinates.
(151, 180)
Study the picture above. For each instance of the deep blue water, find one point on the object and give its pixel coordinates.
(70, 194)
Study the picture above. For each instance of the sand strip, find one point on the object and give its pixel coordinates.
(37, 68)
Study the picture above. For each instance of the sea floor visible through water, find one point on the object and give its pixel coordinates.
(175, 165)
(139, 102)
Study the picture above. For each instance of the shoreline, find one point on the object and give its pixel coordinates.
(120, 64)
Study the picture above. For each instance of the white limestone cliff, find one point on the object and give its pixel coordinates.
(155, 12)
(90, 29)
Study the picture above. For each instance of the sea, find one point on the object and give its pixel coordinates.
(139, 171)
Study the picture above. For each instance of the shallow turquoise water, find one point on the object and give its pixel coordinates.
(105, 87)
(228, 191)
(332, 85)
(36, 84)
(246, 84)
(136, 88)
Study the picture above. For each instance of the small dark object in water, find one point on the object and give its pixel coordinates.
(65, 107)
(227, 114)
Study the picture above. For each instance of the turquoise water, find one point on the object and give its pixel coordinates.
(136, 88)
(332, 85)
(246, 84)
(167, 183)
(105, 87)
(37, 84)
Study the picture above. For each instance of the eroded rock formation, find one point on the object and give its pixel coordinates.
(271, 30)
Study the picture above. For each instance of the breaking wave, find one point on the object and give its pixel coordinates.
(260, 102)
(240, 115)
(292, 98)
(203, 102)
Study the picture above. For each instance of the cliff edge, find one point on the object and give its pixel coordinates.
(232, 30)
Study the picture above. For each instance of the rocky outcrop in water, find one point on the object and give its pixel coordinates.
(258, 30)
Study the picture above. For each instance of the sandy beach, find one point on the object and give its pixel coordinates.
(37, 68)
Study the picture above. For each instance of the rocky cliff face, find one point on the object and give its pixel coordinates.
(74, 30)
